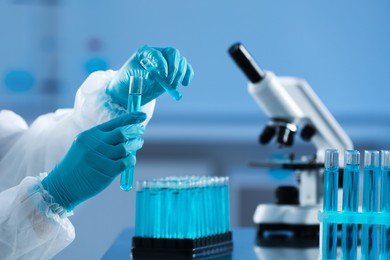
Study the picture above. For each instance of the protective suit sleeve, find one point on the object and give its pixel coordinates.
(31, 225)
(40, 147)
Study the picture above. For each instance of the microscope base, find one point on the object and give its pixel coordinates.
(287, 225)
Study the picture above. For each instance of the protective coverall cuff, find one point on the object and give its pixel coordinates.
(51, 208)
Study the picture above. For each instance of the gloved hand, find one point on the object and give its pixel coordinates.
(168, 62)
(95, 158)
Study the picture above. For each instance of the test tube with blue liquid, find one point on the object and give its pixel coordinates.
(385, 203)
(349, 237)
(331, 177)
(369, 237)
(141, 201)
(134, 105)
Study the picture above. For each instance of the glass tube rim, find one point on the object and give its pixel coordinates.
(351, 157)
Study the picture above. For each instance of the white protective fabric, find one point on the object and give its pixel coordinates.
(31, 225)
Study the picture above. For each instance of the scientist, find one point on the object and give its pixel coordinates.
(69, 156)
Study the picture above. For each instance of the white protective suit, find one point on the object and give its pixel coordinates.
(31, 226)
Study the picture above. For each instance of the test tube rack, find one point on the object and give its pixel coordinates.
(182, 217)
(379, 218)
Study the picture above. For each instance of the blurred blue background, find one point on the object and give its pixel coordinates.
(341, 48)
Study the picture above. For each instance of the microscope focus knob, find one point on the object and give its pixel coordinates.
(308, 132)
(287, 195)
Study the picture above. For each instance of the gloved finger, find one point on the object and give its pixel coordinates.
(113, 152)
(110, 167)
(123, 120)
(188, 76)
(120, 150)
(123, 134)
(134, 144)
(148, 81)
(172, 57)
(132, 131)
(181, 72)
(122, 164)
(155, 56)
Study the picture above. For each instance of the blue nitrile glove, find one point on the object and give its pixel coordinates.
(171, 65)
(95, 158)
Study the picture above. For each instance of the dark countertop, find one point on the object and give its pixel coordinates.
(244, 247)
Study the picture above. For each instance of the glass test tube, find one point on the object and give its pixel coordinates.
(331, 179)
(162, 217)
(140, 209)
(134, 105)
(369, 245)
(349, 236)
(385, 203)
(152, 69)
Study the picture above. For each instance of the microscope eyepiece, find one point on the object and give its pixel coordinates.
(246, 63)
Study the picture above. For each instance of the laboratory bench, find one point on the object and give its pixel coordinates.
(244, 247)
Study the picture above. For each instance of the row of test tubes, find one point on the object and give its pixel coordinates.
(182, 207)
(375, 214)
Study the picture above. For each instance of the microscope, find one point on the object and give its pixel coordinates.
(291, 106)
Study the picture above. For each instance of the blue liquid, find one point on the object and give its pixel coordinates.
(225, 208)
(350, 204)
(329, 232)
(218, 206)
(197, 212)
(164, 209)
(370, 204)
(174, 214)
(385, 208)
(182, 209)
(218, 213)
(127, 177)
(134, 103)
(187, 212)
(141, 204)
(169, 208)
(211, 229)
(207, 212)
(139, 223)
(157, 211)
(181, 212)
